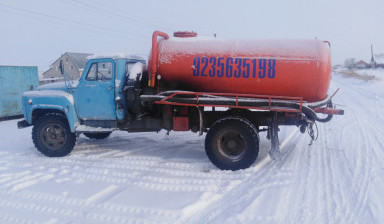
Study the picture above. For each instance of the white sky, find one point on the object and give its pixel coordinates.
(38, 32)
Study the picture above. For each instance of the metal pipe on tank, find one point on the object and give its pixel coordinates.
(155, 55)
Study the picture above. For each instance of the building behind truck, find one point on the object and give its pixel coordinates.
(73, 63)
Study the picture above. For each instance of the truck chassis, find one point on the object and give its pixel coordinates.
(232, 140)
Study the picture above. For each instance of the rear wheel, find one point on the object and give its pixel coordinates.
(98, 135)
(232, 143)
(52, 136)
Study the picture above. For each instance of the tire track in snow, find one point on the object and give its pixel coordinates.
(318, 184)
(15, 182)
(130, 174)
(361, 176)
(126, 172)
(331, 201)
(299, 193)
(328, 171)
(361, 162)
(73, 208)
(124, 167)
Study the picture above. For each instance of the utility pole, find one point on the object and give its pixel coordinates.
(373, 62)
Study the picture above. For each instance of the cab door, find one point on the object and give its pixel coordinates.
(95, 94)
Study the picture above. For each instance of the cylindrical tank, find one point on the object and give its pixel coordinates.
(298, 68)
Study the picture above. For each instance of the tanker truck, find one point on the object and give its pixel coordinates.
(230, 89)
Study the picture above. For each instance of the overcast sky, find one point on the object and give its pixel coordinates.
(38, 32)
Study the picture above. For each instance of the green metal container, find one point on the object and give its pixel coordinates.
(14, 80)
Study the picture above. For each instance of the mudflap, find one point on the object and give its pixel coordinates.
(273, 130)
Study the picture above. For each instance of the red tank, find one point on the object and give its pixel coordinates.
(298, 68)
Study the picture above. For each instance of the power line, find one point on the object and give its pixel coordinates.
(68, 21)
(117, 13)
(137, 18)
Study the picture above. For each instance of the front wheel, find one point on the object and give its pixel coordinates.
(232, 143)
(52, 136)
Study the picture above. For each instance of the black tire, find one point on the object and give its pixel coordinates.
(52, 136)
(232, 143)
(97, 135)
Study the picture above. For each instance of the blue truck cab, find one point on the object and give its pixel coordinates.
(102, 100)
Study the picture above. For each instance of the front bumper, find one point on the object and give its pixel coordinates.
(23, 124)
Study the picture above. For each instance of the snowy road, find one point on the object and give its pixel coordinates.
(154, 178)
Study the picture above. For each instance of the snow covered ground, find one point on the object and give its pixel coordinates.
(154, 178)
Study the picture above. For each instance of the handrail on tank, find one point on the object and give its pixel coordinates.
(151, 80)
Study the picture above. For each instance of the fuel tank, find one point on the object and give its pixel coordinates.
(297, 68)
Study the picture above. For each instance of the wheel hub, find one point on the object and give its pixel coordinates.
(53, 136)
(232, 145)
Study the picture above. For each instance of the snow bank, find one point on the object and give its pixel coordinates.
(155, 178)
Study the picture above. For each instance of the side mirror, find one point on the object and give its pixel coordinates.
(61, 67)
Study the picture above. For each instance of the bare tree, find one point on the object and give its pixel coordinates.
(350, 63)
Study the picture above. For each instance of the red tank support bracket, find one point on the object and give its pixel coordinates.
(327, 110)
(180, 124)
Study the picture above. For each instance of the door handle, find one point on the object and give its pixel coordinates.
(110, 88)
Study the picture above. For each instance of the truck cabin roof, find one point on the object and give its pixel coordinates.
(117, 56)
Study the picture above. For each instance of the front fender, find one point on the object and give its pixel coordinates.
(50, 100)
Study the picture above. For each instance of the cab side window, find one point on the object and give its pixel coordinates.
(92, 74)
(100, 71)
